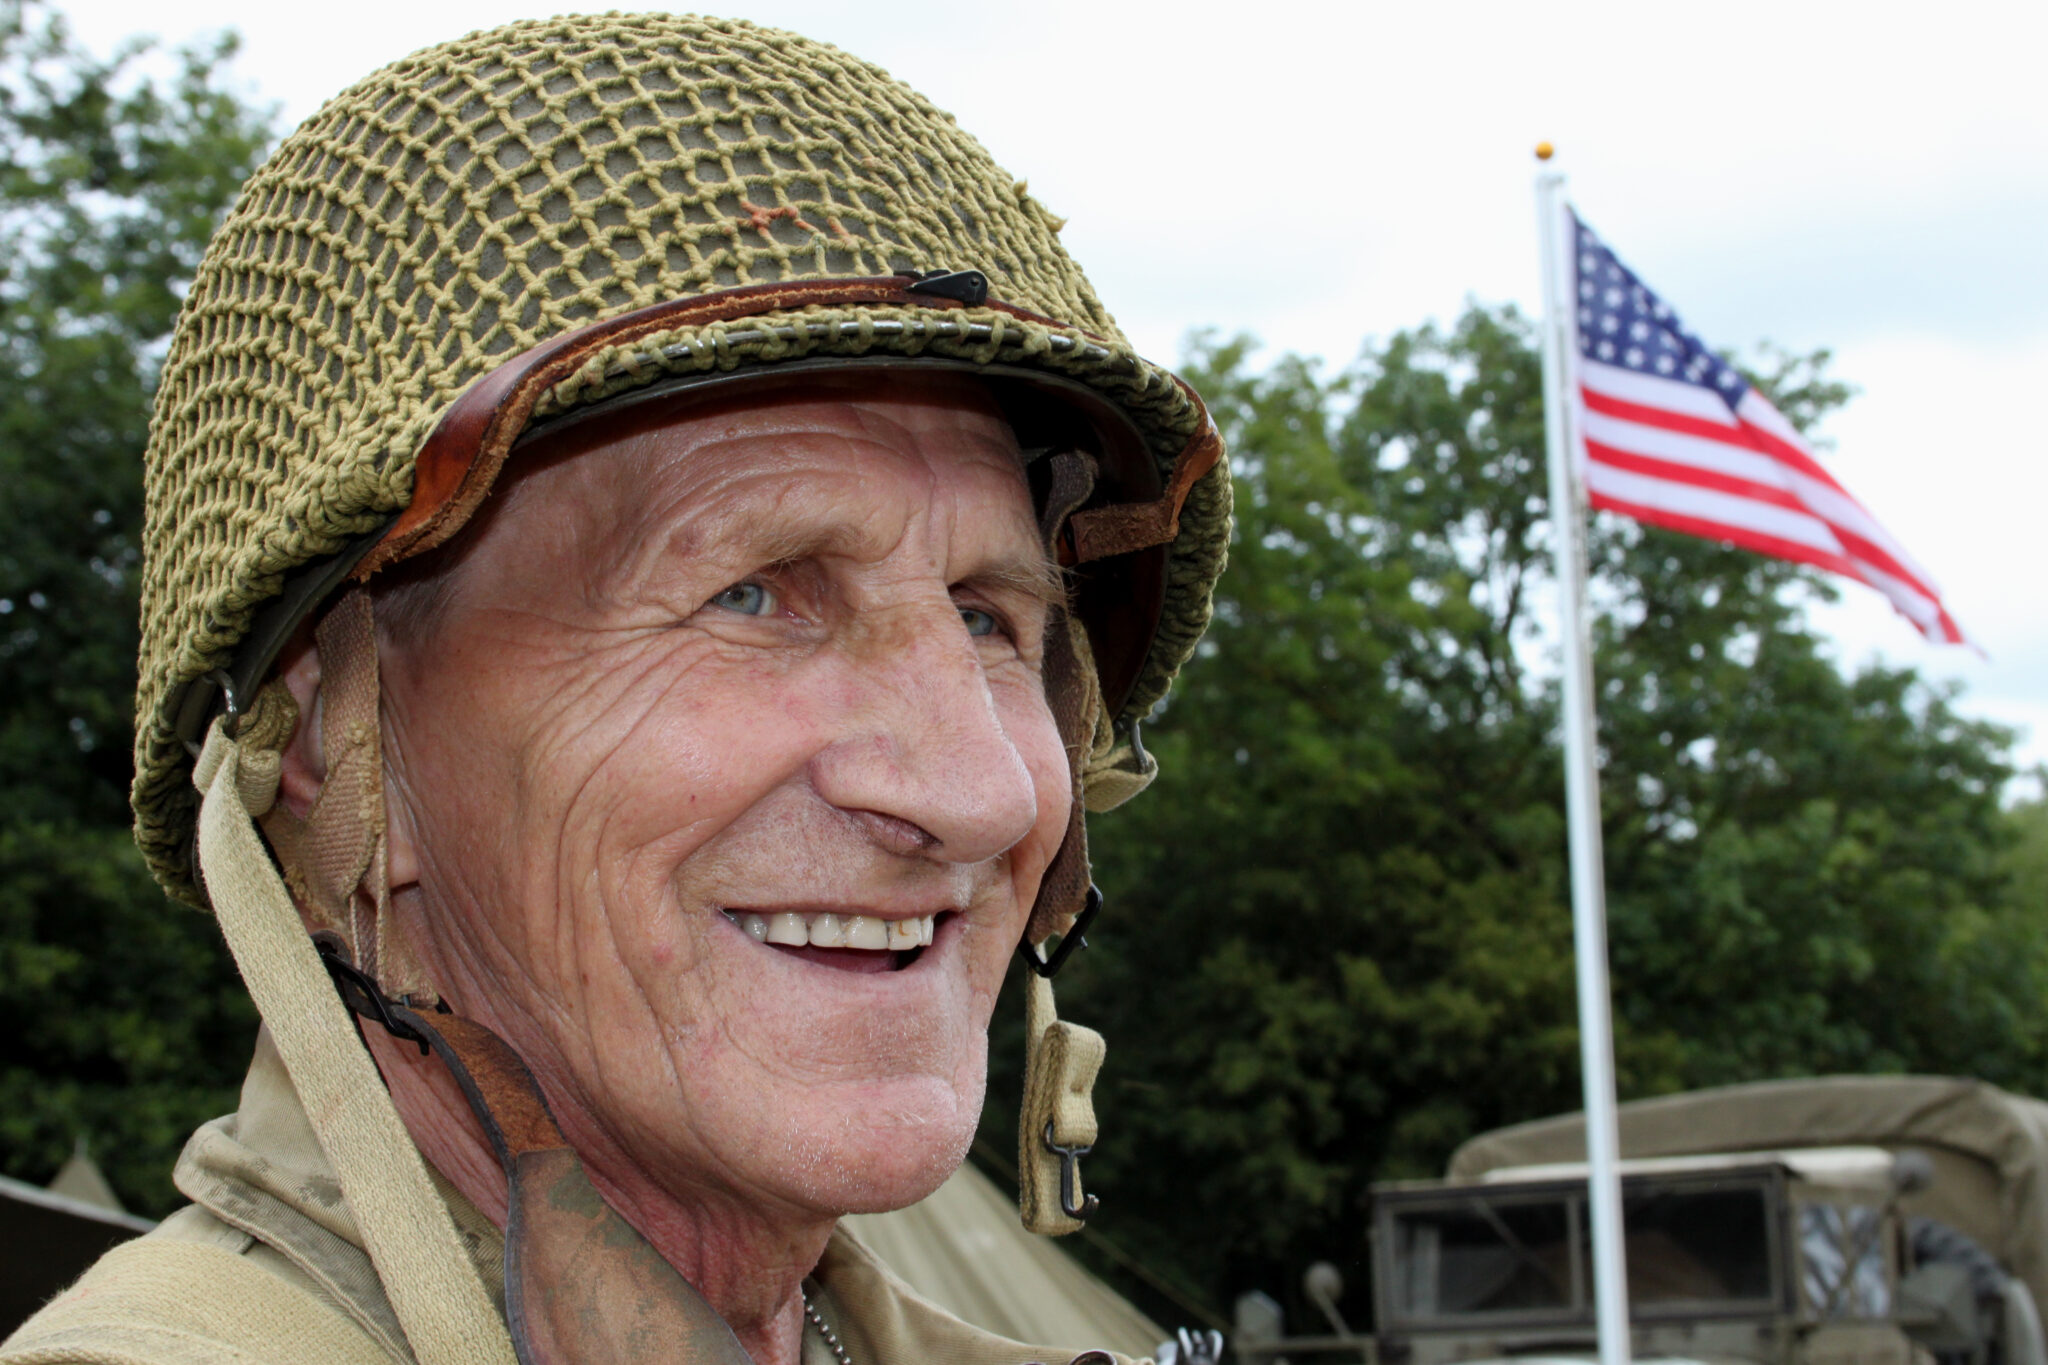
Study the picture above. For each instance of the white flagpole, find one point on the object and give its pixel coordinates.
(1582, 785)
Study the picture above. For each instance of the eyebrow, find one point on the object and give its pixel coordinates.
(1036, 579)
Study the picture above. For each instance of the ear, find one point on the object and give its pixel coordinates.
(305, 764)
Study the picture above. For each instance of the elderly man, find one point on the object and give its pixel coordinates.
(664, 544)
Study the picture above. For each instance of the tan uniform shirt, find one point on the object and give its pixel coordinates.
(266, 1266)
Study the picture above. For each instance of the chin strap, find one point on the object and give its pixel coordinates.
(335, 859)
(1056, 1122)
(412, 1239)
(1056, 1127)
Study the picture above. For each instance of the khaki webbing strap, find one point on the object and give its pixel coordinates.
(335, 858)
(1073, 692)
(1070, 478)
(434, 1287)
(1061, 1061)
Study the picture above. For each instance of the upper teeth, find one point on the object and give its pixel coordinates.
(827, 930)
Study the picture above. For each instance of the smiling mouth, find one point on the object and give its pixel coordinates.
(850, 943)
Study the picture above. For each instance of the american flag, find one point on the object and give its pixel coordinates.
(1672, 435)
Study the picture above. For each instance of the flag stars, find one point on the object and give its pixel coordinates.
(1622, 321)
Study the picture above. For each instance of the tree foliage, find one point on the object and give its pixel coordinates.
(1337, 942)
(2026, 861)
(1338, 939)
(124, 1025)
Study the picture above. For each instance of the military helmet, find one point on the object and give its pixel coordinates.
(493, 235)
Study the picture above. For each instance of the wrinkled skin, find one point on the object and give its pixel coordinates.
(776, 654)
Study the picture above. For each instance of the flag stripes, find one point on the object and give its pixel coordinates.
(1666, 432)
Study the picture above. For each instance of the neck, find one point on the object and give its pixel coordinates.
(748, 1265)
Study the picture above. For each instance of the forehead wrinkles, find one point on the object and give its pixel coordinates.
(782, 491)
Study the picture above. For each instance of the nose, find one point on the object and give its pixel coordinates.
(924, 758)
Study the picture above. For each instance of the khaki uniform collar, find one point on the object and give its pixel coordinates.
(261, 1170)
(882, 1321)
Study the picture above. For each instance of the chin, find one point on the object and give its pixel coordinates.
(888, 1151)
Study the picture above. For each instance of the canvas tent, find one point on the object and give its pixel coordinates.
(1989, 1148)
(964, 1249)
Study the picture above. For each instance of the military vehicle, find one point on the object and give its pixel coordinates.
(1839, 1221)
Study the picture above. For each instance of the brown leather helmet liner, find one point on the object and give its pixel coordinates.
(1116, 545)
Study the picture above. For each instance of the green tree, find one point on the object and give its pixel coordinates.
(1339, 941)
(1806, 869)
(2027, 859)
(124, 1023)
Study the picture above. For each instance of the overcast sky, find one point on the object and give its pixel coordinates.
(1868, 178)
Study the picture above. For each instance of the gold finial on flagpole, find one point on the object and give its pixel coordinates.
(1544, 151)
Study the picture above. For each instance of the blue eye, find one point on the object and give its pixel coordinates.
(978, 621)
(748, 599)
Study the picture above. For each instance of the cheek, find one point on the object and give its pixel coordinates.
(700, 753)
(580, 778)
(1029, 723)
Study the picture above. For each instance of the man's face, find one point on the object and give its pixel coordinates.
(774, 659)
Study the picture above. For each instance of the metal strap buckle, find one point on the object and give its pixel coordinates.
(232, 707)
(1075, 937)
(1070, 1173)
(365, 998)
